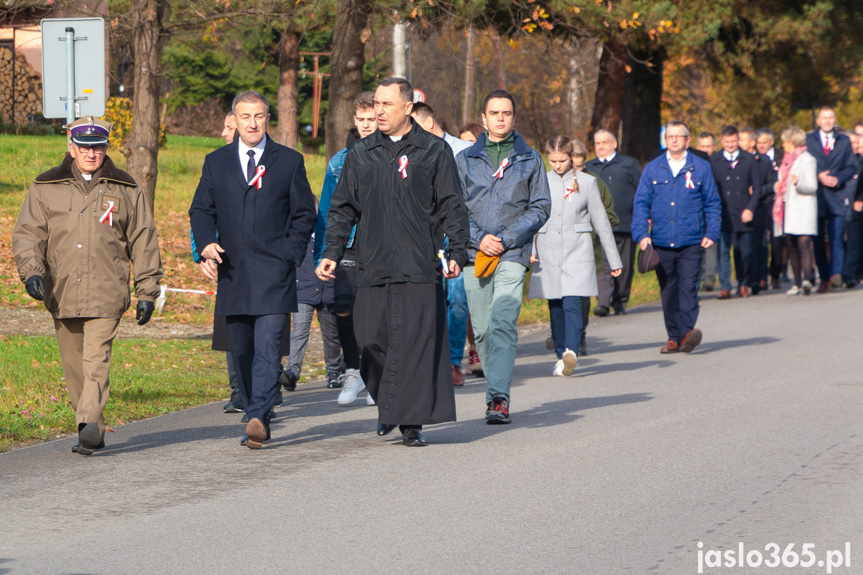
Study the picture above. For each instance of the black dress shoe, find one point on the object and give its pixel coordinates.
(413, 437)
(76, 446)
(600, 311)
(385, 428)
(89, 438)
(289, 379)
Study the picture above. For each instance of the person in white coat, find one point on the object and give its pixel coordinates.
(795, 211)
(564, 268)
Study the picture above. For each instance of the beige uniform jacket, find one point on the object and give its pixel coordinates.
(85, 258)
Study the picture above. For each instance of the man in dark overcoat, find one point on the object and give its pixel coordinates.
(255, 193)
(836, 165)
(738, 179)
(399, 187)
(621, 174)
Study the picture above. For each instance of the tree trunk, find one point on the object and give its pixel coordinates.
(467, 113)
(142, 148)
(346, 67)
(499, 71)
(642, 106)
(289, 71)
(608, 107)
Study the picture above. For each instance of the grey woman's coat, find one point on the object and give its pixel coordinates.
(563, 245)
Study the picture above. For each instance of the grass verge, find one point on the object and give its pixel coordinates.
(147, 379)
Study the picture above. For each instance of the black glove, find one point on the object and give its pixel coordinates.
(144, 311)
(35, 286)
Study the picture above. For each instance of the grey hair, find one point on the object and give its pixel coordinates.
(678, 124)
(249, 96)
(604, 131)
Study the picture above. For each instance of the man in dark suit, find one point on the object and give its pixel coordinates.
(763, 214)
(764, 144)
(836, 166)
(739, 182)
(255, 193)
(621, 174)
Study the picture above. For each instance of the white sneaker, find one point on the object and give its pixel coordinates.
(793, 291)
(807, 287)
(569, 360)
(352, 385)
(558, 368)
(369, 400)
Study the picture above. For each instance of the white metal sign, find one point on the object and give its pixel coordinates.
(73, 67)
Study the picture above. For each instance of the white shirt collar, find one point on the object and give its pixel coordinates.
(244, 152)
(731, 157)
(609, 158)
(771, 153)
(827, 136)
(676, 165)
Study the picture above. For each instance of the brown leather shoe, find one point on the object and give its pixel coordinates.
(690, 340)
(823, 287)
(457, 376)
(744, 291)
(670, 347)
(257, 433)
(724, 294)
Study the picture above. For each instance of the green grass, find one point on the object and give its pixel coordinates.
(148, 378)
(22, 158)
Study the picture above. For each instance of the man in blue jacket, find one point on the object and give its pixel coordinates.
(677, 210)
(836, 166)
(506, 192)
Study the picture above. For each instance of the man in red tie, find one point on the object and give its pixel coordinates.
(836, 166)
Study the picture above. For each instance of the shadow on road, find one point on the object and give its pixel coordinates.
(732, 343)
(542, 416)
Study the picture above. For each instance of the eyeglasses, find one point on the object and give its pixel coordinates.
(97, 150)
(675, 137)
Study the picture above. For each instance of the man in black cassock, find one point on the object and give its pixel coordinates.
(399, 186)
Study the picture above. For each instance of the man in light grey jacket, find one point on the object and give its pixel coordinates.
(506, 193)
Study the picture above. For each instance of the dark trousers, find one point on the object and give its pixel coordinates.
(614, 292)
(745, 258)
(854, 248)
(255, 344)
(760, 243)
(678, 272)
(778, 255)
(566, 323)
(832, 229)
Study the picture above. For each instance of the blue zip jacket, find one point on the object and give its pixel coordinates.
(513, 207)
(331, 178)
(681, 210)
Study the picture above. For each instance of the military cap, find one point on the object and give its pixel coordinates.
(89, 131)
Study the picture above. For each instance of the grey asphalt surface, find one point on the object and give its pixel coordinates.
(756, 437)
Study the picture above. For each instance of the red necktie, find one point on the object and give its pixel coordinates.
(827, 146)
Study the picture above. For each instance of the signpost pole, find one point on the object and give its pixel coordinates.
(70, 75)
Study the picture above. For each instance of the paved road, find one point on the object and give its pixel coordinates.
(757, 437)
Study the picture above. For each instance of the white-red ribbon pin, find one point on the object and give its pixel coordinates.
(258, 180)
(503, 164)
(569, 192)
(403, 166)
(689, 184)
(108, 215)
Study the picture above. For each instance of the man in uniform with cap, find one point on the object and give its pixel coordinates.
(82, 225)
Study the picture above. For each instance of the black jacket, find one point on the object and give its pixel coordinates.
(622, 175)
(739, 188)
(264, 232)
(401, 221)
(310, 289)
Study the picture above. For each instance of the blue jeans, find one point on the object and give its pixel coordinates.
(566, 323)
(495, 303)
(456, 300)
